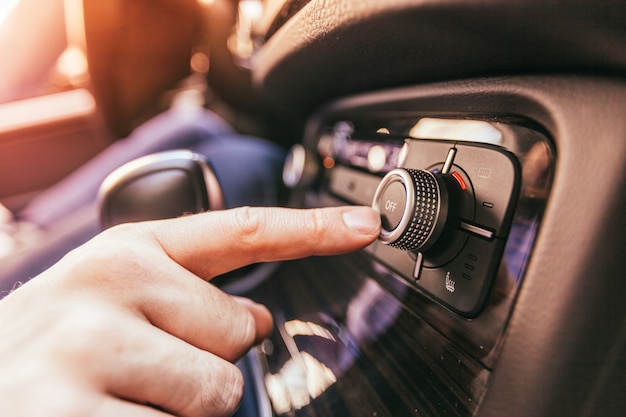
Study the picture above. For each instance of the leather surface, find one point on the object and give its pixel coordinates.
(334, 48)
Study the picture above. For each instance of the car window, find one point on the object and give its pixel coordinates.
(28, 69)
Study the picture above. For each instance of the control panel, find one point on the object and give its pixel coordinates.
(446, 205)
(461, 198)
(445, 213)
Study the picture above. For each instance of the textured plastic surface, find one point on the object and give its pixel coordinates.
(334, 48)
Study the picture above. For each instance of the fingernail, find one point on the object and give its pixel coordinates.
(362, 220)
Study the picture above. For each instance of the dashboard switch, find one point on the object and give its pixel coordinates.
(393, 200)
(414, 207)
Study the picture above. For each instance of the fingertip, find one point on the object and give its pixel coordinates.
(362, 220)
(262, 317)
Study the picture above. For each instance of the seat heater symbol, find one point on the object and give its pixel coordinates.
(450, 283)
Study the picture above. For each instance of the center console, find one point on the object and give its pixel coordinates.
(411, 325)
(446, 205)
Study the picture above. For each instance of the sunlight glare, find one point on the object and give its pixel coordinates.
(6, 7)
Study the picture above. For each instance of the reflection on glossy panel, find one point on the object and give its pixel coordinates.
(301, 379)
(345, 346)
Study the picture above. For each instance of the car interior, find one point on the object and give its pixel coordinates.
(490, 136)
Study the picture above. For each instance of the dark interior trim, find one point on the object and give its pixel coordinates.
(333, 49)
(564, 348)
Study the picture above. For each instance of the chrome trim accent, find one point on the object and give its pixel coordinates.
(402, 176)
(213, 188)
(254, 358)
(293, 170)
(214, 191)
(449, 161)
(477, 230)
(418, 266)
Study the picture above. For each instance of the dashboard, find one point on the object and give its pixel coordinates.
(507, 299)
(490, 136)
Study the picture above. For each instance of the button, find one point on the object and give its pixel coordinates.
(354, 186)
(423, 212)
(301, 167)
(463, 284)
(393, 199)
(376, 158)
(494, 175)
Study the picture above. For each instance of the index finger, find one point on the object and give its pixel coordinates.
(213, 243)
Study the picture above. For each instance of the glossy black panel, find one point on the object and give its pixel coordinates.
(344, 345)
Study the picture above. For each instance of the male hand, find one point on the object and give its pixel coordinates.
(126, 325)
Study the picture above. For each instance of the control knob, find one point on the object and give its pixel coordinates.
(413, 205)
(301, 167)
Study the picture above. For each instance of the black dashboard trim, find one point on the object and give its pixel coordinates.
(566, 333)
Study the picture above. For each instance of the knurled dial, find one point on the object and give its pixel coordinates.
(413, 205)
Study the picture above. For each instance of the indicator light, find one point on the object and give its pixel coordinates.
(460, 180)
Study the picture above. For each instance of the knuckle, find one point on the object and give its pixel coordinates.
(248, 222)
(114, 252)
(246, 330)
(317, 223)
(119, 232)
(242, 331)
(225, 391)
(78, 331)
